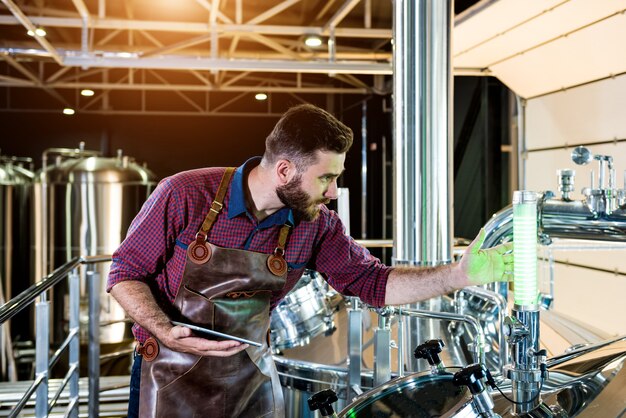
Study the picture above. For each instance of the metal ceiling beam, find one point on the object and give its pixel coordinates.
(177, 46)
(178, 92)
(220, 114)
(196, 63)
(270, 43)
(26, 22)
(272, 12)
(341, 13)
(208, 6)
(99, 86)
(19, 82)
(35, 80)
(191, 27)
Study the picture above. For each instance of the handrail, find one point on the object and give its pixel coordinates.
(28, 296)
(43, 362)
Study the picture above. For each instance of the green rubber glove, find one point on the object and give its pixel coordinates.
(484, 266)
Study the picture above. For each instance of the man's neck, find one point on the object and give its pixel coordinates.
(261, 197)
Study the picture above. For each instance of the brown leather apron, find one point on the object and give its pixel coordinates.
(226, 290)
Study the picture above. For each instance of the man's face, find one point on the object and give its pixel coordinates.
(317, 185)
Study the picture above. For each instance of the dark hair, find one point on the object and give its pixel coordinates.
(302, 131)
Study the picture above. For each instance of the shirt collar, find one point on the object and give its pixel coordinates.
(237, 203)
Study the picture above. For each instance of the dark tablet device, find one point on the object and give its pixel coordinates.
(216, 333)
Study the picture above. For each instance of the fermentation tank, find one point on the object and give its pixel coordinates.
(15, 194)
(90, 202)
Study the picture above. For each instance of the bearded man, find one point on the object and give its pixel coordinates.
(220, 247)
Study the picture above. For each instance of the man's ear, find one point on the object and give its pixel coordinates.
(285, 170)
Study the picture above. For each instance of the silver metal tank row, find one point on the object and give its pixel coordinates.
(83, 205)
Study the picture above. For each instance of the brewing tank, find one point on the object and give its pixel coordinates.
(89, 203)
(15, 195)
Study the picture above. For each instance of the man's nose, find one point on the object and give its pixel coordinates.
(332, 192)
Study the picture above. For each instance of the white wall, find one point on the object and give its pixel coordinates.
(583, 115)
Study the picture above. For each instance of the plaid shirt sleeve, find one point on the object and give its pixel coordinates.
(151, 237)
(349, 267)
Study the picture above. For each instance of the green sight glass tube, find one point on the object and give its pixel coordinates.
(525, 283)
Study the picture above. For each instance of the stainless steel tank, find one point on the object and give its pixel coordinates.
(90, 202)
(15, 194)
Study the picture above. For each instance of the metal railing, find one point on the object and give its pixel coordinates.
(37, 293)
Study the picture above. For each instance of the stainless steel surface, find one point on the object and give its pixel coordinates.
(364, 169)
(421, 125)
(382, 350)
(74, 349)
(489, 308)
(343, 207)
(84, 204)
(581, 156)
(478, 345)
(422, 145)
(303, 314)
(15, 226)
(93, 358)
(41, 360)
(355, 343)
(589, 383)
(524, 371)
(418, 395)
(577, 220)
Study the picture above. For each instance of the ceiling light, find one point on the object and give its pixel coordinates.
(68, 111)
(39, 31)
(87, 92)
(125, 54)
(313, 41)
(260, 96)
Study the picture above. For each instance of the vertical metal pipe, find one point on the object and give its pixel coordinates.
(93, 286)
(422, 138)
(74, 346)
(521, 143)
(343, 207)
(355, 343)
(364, 169)
(42, 350)
(382, 351)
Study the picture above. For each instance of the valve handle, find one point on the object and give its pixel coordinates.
(429, 351)
(471, 376)
(323, 401)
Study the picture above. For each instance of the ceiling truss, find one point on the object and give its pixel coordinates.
(233, 49)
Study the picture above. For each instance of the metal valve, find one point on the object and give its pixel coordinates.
(323, 401)
(429, 351)
(514, 330)
(471, 376)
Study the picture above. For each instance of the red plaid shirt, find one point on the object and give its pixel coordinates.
(154, 250)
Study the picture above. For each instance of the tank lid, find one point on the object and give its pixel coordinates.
(121, 169)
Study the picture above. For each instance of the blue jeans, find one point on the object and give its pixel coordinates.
(135, 378)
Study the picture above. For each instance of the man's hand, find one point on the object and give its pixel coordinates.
(484, 266)
(183, 339)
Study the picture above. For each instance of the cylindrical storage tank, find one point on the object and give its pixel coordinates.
(91, 201)
(16, 184)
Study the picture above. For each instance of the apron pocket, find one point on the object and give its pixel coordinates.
(197, 308)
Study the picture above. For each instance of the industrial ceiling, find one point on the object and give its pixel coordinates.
(210, 54)
(202, 57)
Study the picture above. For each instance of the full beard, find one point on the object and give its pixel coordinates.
(292, 196)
